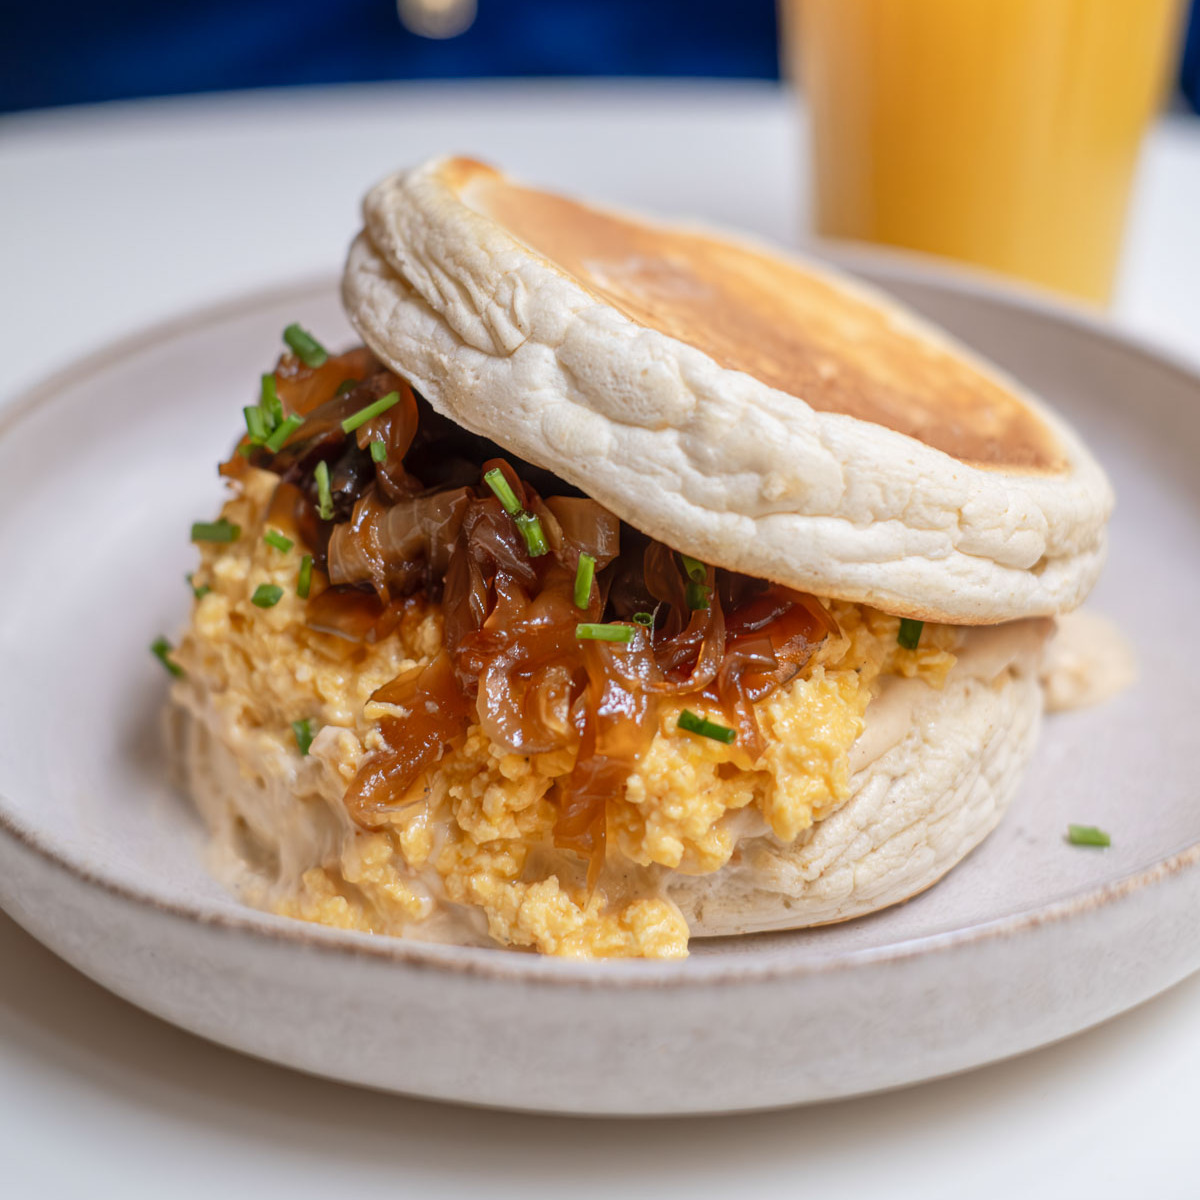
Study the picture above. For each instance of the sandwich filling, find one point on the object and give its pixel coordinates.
(429, 689)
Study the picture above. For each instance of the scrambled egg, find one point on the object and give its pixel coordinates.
(477, 846)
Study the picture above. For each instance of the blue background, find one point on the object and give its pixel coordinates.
(70, 51)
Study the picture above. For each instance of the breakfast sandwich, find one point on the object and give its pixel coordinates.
(629, 583)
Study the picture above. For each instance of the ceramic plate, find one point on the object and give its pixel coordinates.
(103, 468)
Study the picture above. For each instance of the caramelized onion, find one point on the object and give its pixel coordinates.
(691, 659)
(396, 547)
(664, 580)
(396, 429)
(322, 435)
(528, 663)
(302, 389)
(425, 522)
(770, 638)
(434, 714)
(289, 510)
(618, 724)
(526, 689)
(352, 614)
(582, 526)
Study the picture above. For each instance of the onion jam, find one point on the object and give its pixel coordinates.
(418, 518)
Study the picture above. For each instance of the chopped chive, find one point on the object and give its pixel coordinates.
(527, 522)
(1087, 835)
(256, 424)
(304, 735)
(705, 728)
(909, 636)
(351, 423)
(199, 592)
(496, 481)
(215, 531)
(246, 449)
(324, 495)
(283, 431)
(306, 347)
(304, 579)
(274, 538)
(644, 618)
(270, 403)
(267, 595)
(604, 633)
(585, 573)
(347, 385)
(161, 649)
(532, 532)
(696, 595)
(379, 451)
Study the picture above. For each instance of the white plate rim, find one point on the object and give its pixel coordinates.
(884, 266)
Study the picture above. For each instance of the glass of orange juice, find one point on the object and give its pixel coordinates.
(1002, 132)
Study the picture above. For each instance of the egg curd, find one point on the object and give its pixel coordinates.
(471, 857)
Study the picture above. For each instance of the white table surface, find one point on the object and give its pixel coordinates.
(117, 216)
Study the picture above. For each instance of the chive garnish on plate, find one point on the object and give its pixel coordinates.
(281, 543)
(347, 385)
(705, 728)
(198, 591)
(909, 636)
(162, 649)
(379, 451)
(324, 495)
(604, 633)
(303, 732)
(267, 595)
(585, 573)
(1087, 835)
(305, 347)
(697, 572)
(645, 619)
(215, 531)
(304, 579)
(352, 422)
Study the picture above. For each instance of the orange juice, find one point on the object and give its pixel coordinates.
(1003, 132)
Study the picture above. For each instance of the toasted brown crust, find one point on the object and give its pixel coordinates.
(766, 316)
